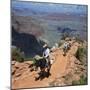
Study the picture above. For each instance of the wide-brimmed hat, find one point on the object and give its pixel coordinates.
(45, 45)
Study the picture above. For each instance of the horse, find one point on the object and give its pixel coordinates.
(66, 48)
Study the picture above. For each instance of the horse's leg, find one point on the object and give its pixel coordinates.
(64, 51)
(42, 70)
(42, 74)
(39, 74)
(32, 68)
(48, 69)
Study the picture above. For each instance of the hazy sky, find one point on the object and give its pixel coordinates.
(49, 7)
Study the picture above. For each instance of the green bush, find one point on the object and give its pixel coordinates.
(17, 55)
(81, 53)
(78, 39)
(60, 43)
(65, 35)
(82, 81)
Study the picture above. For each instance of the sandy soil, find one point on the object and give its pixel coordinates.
(58, 69)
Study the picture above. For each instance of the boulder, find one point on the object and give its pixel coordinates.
(17, 64)
(13, 70)
(13, 62)
(17, 74)
(53, 48)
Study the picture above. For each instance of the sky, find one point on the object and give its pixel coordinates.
(49, 7)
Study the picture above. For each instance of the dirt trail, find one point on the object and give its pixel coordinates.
(58, 69)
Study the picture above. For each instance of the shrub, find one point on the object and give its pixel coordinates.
(82, 81)
(78, 39)
(81, 53)
(60, 43)
(17, 55)
(65, 35)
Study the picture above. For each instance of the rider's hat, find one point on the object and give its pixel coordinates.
(45, 45)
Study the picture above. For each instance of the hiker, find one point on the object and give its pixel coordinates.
(46, 53)
(65, 48)
(68, 45)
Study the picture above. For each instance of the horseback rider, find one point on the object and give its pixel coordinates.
(65, 45)
(46, 54)
(65, 48)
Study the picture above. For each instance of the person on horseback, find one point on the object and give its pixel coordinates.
(44, 63)
(46, 53)
(68, 45)
(65, 48)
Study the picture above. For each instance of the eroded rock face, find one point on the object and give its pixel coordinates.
(19, 68)
(17, 64)
(28, 62)
(13, 70)
(17, 74)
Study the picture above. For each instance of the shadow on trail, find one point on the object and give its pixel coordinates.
(44, 70)
(42, 75)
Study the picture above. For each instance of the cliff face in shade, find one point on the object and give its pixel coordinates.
(26, 43)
